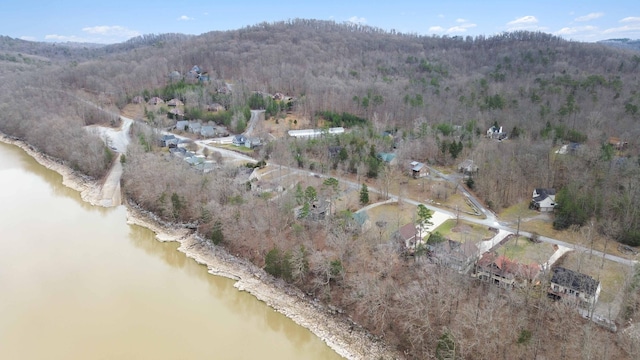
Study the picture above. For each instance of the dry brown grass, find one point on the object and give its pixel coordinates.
(285, 122)
(610, 274)
(463, 231)
(525, 251)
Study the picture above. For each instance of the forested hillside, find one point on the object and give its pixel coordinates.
(436, 96)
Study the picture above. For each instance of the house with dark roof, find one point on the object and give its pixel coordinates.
(572, 286)
(495, 132)
(168, 141)
(239, 140)
(543, 200)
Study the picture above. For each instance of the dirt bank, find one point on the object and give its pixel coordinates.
(344, 337)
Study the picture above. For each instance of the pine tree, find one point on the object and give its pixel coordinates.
(364, 195)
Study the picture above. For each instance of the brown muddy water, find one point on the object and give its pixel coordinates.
(77, 282)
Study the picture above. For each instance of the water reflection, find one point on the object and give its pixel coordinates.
(241, 303)
(17, 159)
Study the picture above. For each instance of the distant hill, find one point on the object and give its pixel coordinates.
(622, 43)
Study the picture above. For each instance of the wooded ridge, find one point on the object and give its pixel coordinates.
(428, 99)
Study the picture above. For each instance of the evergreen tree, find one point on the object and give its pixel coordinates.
(364, 194)
(217, 236)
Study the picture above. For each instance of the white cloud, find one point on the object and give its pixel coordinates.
(441, 16)
(184, 18)
(436, 29)
(589, 17)
(111, 31)
(97, 34)
(630, 19)
(624, 29)
(525, 20)
(460, 28)
(65, 38)
(28, 38)
(357, 20)
(459, 20)
(576, 30)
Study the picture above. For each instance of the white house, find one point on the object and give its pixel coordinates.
(543, 200)
(313, 133)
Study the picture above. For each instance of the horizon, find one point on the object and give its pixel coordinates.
(117, 21)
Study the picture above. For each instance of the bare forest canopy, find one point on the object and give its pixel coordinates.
(436, 95)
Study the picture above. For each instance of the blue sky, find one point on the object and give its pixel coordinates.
(116, 20)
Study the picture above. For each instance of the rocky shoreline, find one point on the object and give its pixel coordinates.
(337, 331)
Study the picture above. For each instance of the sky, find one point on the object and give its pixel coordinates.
(116, 21)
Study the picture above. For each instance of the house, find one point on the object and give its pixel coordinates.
(194, 127)
(313, 133)
(501, 271)
(239, 140)
(137, 100)
(221, 131)
(496, 132)
(194, 160)
(155, 101)
(387, 158)
(175, 76)
(419, 170)
(573, 286)
(182, 125)
(208, 131)
(543, 200)
(168, 141)
(455, 255)
(175, 102)
(407, 235)
(252, 143)
(617, 143)
(317, 210)
(178, 151)
(468, 167)
(176, 113)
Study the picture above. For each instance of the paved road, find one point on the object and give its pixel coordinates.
(255, 117)
(490, 220)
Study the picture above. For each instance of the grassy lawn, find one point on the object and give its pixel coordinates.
(394, 215)
(520, 209)
(525, 251)
(242, 149)
(440, 192)
(464, 231)
(610, 274)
